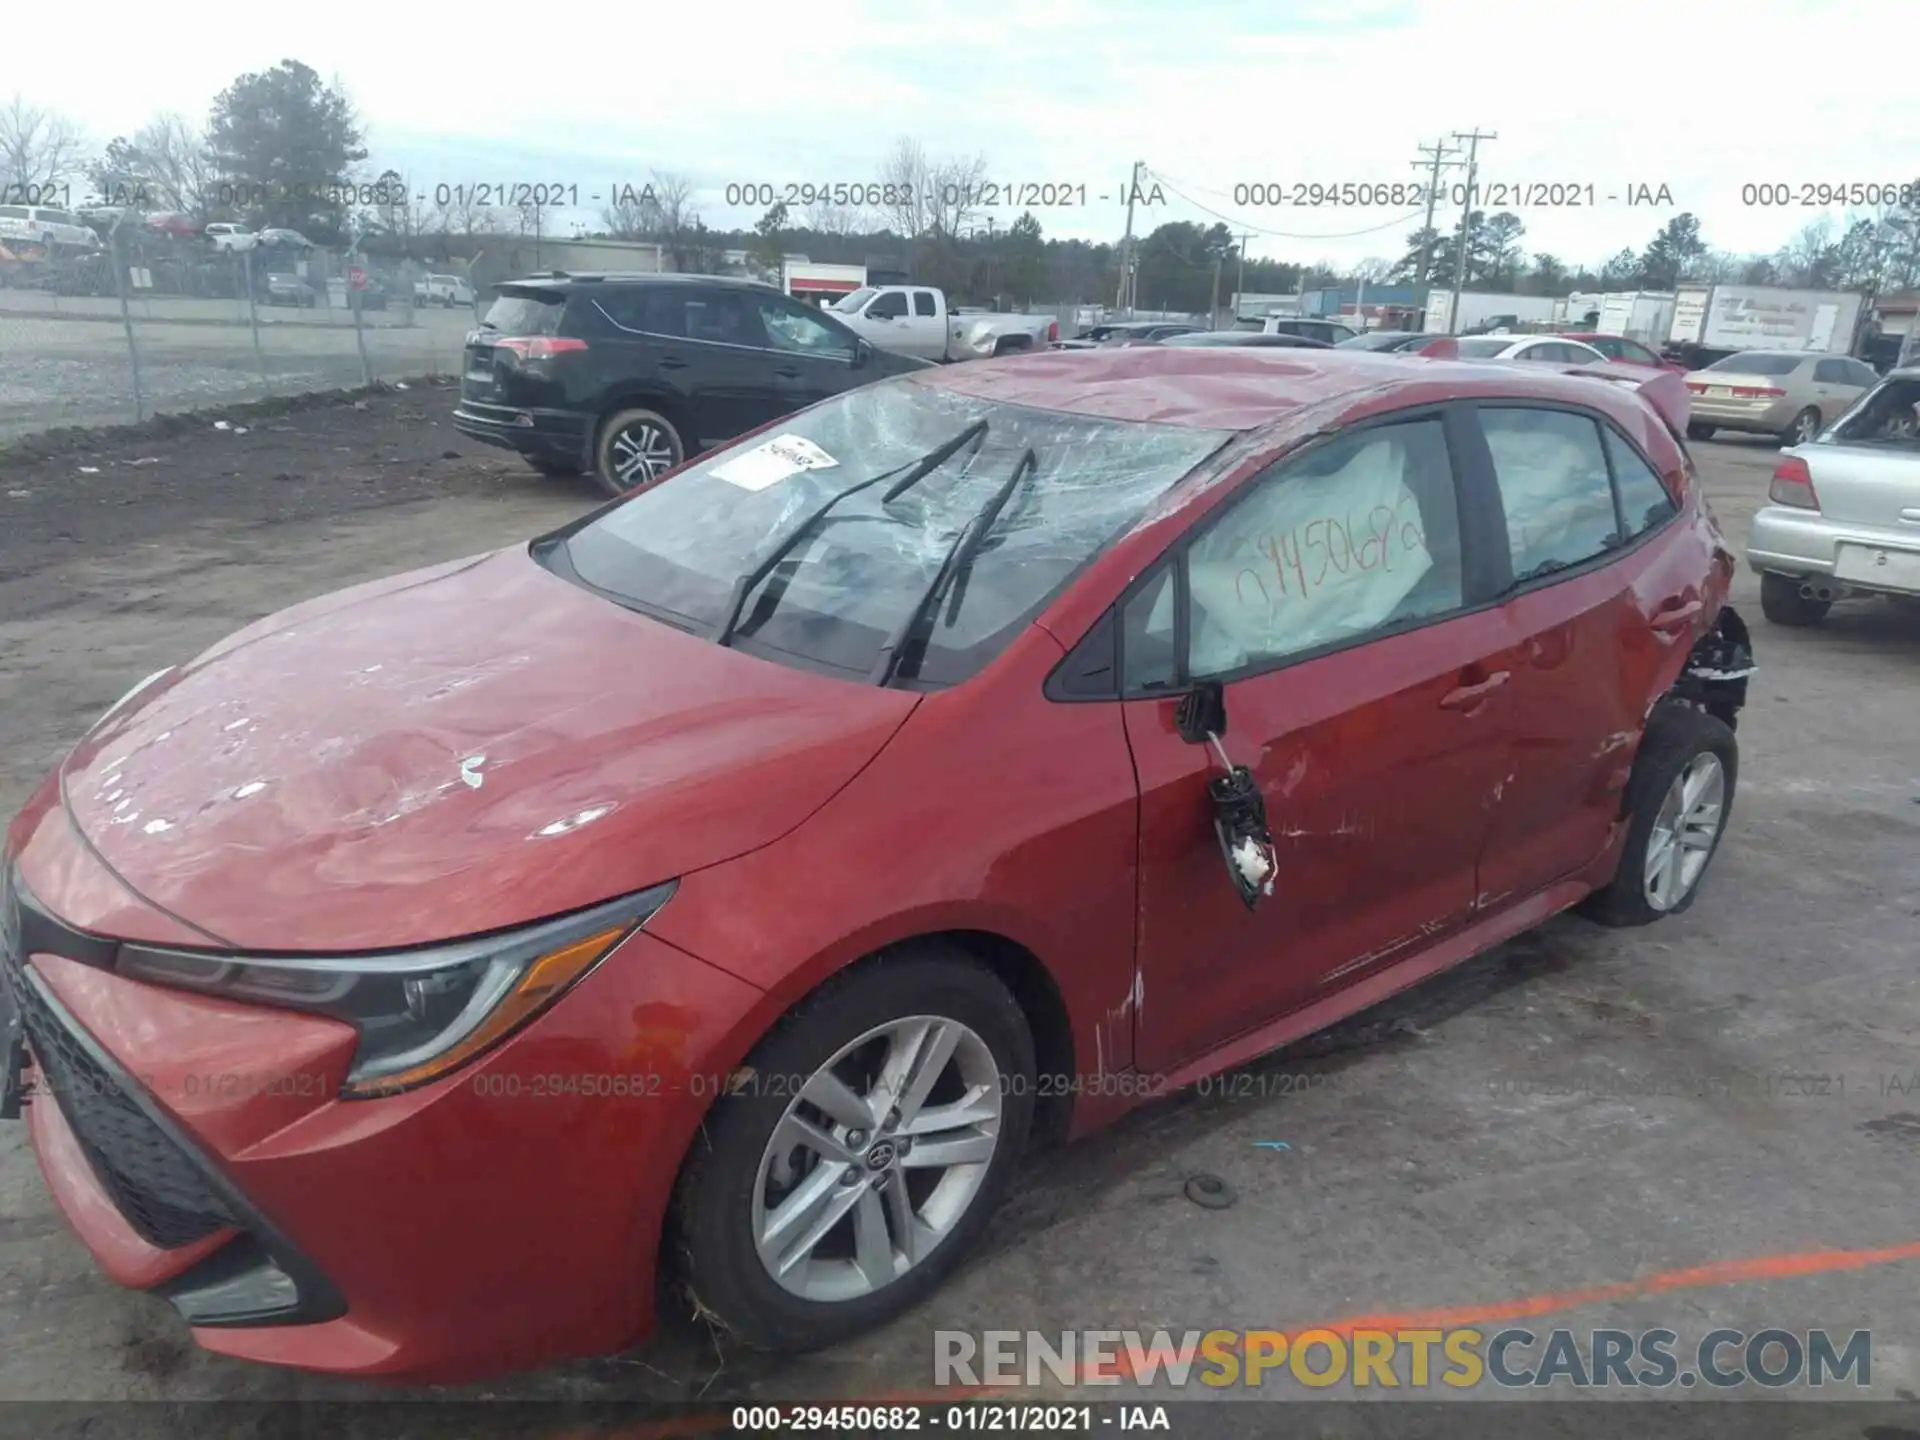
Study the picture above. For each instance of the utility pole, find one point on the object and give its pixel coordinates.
(1240, 281)
(1438, 156)
(1473, 140)
(1121, 300)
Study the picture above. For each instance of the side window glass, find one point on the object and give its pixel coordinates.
(891, 306)
(923, 303)
(790, 328)
(1553, 481)
(1361, 534)
(721, 317)
(1643, 498)
(1830, 372)
(1148, 644)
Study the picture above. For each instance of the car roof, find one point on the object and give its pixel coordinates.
(560, 279)
(1248, 387)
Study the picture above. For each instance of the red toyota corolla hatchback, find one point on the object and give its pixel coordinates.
(729, 886)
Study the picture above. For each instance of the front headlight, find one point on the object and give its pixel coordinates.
(420, 1013)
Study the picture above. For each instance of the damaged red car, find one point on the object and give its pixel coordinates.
(716, 897)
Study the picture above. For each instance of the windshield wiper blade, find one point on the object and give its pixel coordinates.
(911, 634)
(916, 471)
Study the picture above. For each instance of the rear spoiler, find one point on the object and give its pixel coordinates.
(1664, 390)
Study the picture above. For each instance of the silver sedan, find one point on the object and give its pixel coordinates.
(1845, 517)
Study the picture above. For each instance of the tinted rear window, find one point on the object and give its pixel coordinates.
(1759, 362)
(526, 314)
(13, 212)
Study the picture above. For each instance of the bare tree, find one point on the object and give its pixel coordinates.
(1715, 267)
(826, 218)
(955, 198)
(177, 165)
(1810, 256)
(38, 147)
(633, 215)
(907, 193)
(1373, 270)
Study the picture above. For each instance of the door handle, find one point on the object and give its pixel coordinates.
(671, 364)
(1911, 515)
(1676, 616)
(787, 374)
(1468, 696)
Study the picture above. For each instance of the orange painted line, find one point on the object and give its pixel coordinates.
(1661, 1282)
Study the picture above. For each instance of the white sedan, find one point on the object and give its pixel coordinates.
(1550, 348)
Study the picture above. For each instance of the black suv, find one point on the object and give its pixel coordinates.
(625, 376)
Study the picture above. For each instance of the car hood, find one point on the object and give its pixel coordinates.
(450, 752)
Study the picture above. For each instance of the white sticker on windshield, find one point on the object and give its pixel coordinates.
(773, 462)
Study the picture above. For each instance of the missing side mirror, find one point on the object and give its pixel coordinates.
(1202, 713)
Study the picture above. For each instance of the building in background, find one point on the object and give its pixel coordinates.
(819, 283)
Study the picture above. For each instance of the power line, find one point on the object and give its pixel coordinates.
(1253, 229)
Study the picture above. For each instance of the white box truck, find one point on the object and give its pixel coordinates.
(1643, 315)
(1711, 322)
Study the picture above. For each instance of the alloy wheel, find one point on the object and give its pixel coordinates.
(1805, 427)
(877, 1158)
(641, 453)
(1685, 831)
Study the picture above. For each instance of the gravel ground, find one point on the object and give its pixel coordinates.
(1423, 1168)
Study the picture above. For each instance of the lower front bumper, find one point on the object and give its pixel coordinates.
(504, 1218)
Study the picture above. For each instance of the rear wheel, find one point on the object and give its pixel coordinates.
(1697, 431)
(1783, 604)
(636, 447)
(876, 1131)
(1803, 427)
(1678, 799)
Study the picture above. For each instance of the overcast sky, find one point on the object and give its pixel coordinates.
(1701, 98)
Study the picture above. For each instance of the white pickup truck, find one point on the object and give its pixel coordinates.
(916, 320)
(447, 290)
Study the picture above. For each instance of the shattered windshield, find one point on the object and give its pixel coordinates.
(857, 571)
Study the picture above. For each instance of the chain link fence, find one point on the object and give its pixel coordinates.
(152, 324)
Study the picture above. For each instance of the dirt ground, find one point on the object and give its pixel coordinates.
(1578, 1110)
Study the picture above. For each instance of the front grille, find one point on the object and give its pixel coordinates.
(162, 1194)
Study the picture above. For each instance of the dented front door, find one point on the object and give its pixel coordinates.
(1377, 791)
(1336, 601)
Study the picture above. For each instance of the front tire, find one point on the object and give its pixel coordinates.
(815, 1207)
(1783, 604)
(1697, 431)
(636, 447)
(1802, 428)
(1678, 800)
